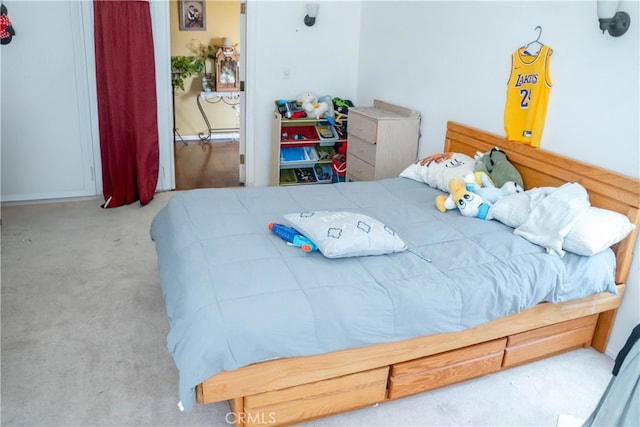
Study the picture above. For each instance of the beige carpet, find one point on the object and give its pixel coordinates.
(84, 339)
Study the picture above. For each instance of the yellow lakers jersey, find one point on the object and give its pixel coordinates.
(528, 92)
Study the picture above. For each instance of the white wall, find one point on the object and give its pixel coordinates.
(47, 141)
(321, 59)
(457, 67)
(450, 61)
(49, 136)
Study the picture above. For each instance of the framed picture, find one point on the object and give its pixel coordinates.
(192, 15)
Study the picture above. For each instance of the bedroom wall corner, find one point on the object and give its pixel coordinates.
(458, 69)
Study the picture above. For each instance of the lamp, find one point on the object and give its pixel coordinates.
(617, 23)
(312, 13)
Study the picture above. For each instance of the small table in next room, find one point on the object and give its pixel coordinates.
(229, 98)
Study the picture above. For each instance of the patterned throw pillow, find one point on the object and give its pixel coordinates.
(346, 234)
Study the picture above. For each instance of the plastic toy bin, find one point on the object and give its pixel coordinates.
(298, 156)
(326, 132)
(323, 173)
(298, 134)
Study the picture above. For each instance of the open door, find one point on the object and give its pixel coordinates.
(243, 110)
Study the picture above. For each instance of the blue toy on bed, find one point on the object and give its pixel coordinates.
(293, 237)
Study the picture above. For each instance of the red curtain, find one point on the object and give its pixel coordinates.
(127, 105)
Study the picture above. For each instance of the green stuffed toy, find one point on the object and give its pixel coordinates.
(496, 164)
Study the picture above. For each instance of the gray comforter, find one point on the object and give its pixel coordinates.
(237, 294)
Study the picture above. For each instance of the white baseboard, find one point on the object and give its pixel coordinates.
(565, 420)
(18, 201)
(216, 137)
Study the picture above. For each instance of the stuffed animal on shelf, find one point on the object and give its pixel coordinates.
(311, 106)
(480, 183)
(496, 164)
(468, 203)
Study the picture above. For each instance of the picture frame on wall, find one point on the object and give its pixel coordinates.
(192, 14)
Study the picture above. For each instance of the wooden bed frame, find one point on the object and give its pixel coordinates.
(291, 390)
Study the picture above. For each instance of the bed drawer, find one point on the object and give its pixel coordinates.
(317, 399)
(550, 340)
(441, 369)
(361, 149)
(363, 127)
(359, 170)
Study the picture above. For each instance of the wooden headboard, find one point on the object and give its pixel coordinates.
(540, 168)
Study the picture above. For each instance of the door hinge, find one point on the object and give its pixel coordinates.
(243, 8)
(242, 159)
(241, 85)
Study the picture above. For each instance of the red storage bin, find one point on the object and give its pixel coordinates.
(299, 134)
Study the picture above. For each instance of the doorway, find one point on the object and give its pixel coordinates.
(209, 148)
(207, 165)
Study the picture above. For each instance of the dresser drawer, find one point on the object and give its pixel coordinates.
(549, 340)
(317, 399)
(363, 127)
(359, 170)
(441, 369)
(362, 149)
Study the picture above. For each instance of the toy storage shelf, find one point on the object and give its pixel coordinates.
(302, 150)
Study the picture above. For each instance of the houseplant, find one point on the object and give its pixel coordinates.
(204, 52)
(183, 67)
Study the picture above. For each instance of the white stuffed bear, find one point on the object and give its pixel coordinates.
(311, 106)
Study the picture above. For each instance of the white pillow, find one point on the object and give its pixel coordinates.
(438, 175)
(594, 231)
(512, 210)
(346, 234)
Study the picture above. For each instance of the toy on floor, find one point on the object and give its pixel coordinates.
(339, 164)
(496, 164)
(468, 203)
(293, 237)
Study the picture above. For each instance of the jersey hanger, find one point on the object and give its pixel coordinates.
(536, 41)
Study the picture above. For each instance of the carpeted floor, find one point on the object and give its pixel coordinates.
(84, 339)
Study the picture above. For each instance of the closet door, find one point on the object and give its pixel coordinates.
(47, 135)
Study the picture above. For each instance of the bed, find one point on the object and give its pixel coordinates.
(286, 336)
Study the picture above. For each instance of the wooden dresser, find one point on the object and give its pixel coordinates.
(382, 141)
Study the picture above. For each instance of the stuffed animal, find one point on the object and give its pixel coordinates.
(330, 114)
(6, 29)
(311, 106)
(480, 183)
(496, 164)
(468, 203)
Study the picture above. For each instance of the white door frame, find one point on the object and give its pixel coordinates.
(162, 49)
(162, 54)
